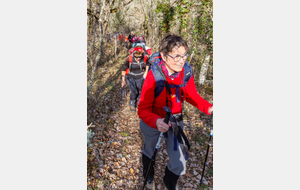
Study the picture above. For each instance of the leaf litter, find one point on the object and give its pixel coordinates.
(115, 149)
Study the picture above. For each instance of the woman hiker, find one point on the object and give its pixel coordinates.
(135, 70)
(126, 42)
(171, 62)
(130, 37)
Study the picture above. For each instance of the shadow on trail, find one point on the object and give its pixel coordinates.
(104, 105)
(106, 98)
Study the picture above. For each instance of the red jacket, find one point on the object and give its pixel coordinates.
(120, 37)
(151, 108)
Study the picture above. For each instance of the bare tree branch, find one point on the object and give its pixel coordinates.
(89, 88)
(118, 8)
(89, 11)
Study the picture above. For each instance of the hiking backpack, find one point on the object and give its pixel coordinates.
(138, 41)
(148, 50)
(128, 71)
(161, 83)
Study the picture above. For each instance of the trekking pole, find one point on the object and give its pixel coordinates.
(166, 120)
(209, 144)
(124, 94)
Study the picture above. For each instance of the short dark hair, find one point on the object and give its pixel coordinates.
(170, 41)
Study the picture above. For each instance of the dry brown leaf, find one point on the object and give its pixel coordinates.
(131, 170)
(188, 175)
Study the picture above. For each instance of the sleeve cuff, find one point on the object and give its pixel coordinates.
(155, 123)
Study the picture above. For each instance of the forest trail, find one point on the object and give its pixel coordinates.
(114, 155)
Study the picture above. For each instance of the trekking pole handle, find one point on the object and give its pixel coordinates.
(166, 120)
(167, 117)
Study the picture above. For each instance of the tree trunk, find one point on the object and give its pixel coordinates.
(203, 71)
(191, 58)
(115, 46)
(91, 81)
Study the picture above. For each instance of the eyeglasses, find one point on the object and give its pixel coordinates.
(177, 58)
(138, 56)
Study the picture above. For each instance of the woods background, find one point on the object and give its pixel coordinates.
(113, 136)
(193, 20)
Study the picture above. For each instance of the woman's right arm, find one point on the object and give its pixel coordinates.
(147, 100)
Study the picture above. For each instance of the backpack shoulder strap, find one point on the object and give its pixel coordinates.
(188, 72)
(130, 58)
(145, 59)
(160, 79)
(155, 56)
(130, 61)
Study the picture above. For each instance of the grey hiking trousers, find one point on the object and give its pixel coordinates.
(135, 86)
(177, 161)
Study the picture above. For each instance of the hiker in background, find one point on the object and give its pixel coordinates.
(148, 50)
(108, 37)
(120, 38)
(126, 42)
(135, 70)
(171, 62)
(139, 40)
(130, 37)
(115, 36)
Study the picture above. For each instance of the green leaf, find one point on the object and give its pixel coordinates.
(185, 10)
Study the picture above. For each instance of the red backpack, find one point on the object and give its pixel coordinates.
(130, 61)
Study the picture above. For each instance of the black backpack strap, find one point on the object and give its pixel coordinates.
(188, 72)
(179, 134)
(166, 85)
(185, 79)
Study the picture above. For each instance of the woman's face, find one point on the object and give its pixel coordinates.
(171, 65)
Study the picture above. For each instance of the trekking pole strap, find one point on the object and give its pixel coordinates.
(178, 132)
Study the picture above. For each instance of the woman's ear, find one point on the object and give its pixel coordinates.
(163, 56)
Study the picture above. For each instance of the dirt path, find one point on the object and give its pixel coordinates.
(118, 141)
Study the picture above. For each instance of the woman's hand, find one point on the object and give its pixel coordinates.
(145, 74)
(210, 110)
(162, 126)
(123, 82)
(123, 79)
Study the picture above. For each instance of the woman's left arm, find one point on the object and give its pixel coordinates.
(146, 71)
(147, 67)
(195, 99)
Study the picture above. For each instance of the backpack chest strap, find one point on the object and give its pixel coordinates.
(177, 91)
(140, 64)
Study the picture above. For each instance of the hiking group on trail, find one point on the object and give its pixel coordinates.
(130, 37)
(135, 68)
(163, 80)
